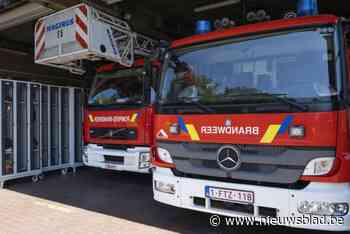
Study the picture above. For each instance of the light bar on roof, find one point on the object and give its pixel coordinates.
(216, 5)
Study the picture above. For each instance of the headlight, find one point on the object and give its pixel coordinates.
(319, 167)
(323, 208)
(145, 160)
(164, 155)
(164, 187)
(145, 157)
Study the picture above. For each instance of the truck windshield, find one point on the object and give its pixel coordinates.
(289, 72)
(122, 87)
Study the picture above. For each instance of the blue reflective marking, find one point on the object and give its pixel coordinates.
(207, 191)
(182, 124)
(285, 124)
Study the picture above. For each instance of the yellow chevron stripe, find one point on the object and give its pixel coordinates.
(193, 132)
(133, 118)
(91, 118)
(270, 134)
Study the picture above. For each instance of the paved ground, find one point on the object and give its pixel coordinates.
(94, 201)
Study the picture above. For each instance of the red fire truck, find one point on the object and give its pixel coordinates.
(254, 121)
(118, 122)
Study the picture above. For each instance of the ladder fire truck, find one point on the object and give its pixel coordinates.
(253, 121)
(118, 118)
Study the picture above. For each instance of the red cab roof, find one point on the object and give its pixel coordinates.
(257, 28)
(114, 66)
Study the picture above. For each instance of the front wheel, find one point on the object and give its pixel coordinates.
(64, 171)
(35, 179)
(41, 176)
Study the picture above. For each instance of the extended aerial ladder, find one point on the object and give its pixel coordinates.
(79, 33)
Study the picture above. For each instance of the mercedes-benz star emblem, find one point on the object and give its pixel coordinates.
(229, 158)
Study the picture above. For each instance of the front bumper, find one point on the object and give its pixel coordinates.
(132, 159)
(284, 201)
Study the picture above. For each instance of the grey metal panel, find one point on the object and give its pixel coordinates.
(271, 175)
(35, 126)
(78, 109)
(40, 129)
(29, 126)
(21, 127)
(265, 164)
(15, 127)
(65, 125)
(59, 127)
(49, 124)
(72, 126)
(54, 126)
(1, 152)
(7, 128)
(45, 126)
(252, 154)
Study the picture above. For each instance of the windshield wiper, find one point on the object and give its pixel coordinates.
(278, 97)
(196, 102)
(113, 105)
(191, 101)
(283, 98)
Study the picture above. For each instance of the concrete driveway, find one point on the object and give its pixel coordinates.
(96, 201)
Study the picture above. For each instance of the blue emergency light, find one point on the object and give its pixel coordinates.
(203, 26)
(307, 7)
